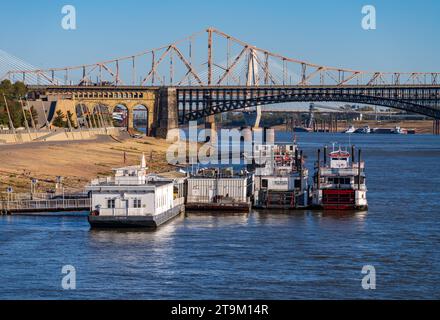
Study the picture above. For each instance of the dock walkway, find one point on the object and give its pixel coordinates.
(43, 205)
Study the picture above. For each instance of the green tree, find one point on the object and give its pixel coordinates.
(59, 121)
(12, 93)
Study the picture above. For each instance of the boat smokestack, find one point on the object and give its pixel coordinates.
(318, 177)
(352, 154)
(325, 155)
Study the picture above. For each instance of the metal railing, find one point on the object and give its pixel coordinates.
(4, 196)
(42, 205)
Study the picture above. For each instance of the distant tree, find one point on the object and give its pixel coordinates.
(70, 117)
(59, 121)
(12, 92)
(19, 90)
(5, 87)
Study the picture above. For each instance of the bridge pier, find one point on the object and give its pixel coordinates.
(211, 125)
(436, 127)
(167, 112)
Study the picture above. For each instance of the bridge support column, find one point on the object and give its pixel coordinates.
(436, 127)
(210, 124)
(130, 118)
(167, 112)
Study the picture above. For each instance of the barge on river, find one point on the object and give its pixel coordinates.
(219, 189)
(134, 199)
(340, 183)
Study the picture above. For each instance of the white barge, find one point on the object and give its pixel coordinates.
(281, 179)
(340, 183)
(134, 199)
(220, 190)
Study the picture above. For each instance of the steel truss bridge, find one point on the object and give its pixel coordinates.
(213, 72)
(196, 103)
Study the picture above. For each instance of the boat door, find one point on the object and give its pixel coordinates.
(125, 206)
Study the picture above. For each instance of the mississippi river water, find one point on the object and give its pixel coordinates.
(299, 255)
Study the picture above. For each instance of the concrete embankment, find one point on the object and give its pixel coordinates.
(57, 135)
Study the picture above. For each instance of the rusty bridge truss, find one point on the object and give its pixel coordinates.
(215, 72)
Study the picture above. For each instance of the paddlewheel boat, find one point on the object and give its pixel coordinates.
(339, 181)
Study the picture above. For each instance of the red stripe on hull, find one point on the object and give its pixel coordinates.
(338, 199)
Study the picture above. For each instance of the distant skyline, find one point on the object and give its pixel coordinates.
(321, 32)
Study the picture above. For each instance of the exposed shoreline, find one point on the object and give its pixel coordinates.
(76, 161)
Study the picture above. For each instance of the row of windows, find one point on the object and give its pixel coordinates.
(337, 180)
(265, 183)
(111, 203)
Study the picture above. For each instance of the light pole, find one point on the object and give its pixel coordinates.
(33, 187)
(58, 186)
(9, 191)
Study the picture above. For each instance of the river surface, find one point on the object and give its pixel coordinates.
(299, 255)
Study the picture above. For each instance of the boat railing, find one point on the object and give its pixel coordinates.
(342, 186)
(105, 180)
(353, 171)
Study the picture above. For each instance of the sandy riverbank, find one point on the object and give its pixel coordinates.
(78, 162)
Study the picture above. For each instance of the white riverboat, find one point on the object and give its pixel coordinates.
(340, 182)
(281, 179)
(134, 199)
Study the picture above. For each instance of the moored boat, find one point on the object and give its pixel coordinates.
(133, 199)
(340, 181)
(281, 179)
(351, 129)
(363, 130)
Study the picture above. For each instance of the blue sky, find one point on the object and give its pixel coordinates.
(324, 32)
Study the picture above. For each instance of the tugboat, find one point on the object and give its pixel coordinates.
(340, 184)
(280, 177)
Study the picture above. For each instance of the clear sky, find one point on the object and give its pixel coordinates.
(320, 31)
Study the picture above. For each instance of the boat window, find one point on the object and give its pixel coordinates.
(339, 180)
(111, 203)
(137, 203)
(264, 183)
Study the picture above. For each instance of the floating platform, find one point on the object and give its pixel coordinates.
(132, 222)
